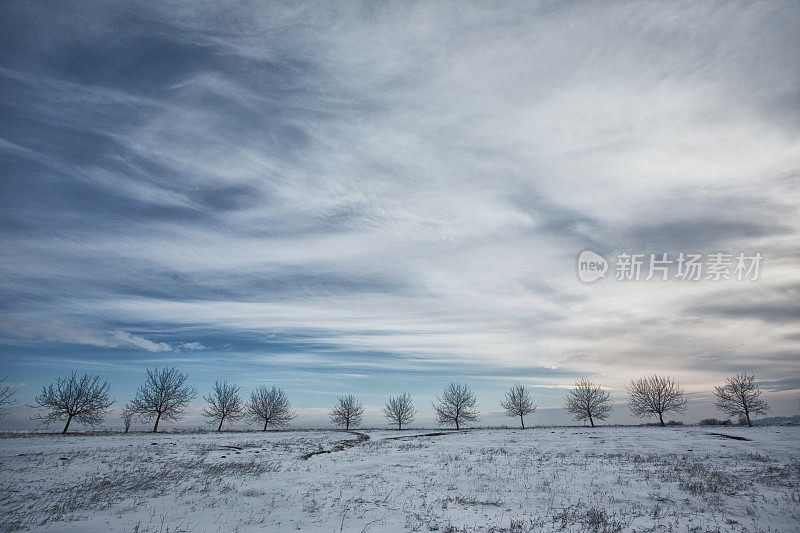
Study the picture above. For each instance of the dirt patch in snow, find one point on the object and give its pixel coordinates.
(341, 445)
(425, 435)
(734, 437)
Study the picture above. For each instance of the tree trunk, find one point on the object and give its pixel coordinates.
(747, 414)
(661, 419)
(219, 428)
(590, 420)
(456, 424)
(522, 421)
(399, 426)
(69, 419)
(347, 425)
(155, 428)
(265, 424)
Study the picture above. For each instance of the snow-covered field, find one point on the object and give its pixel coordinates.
(540, 479)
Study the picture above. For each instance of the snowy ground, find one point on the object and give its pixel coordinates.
(541, 479)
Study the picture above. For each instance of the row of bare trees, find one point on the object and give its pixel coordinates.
(653, 395)
(456, 405)
(85, 398)
(586, 401)
(657, 395)
(165, 396)
(267, 405)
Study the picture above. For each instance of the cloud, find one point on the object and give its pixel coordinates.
(123, 338)
(771, 312)
(786, 384)
(766, 303)
(192, 346)
(400, 188)
(57, 331)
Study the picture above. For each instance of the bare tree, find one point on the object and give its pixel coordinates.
(347, 411)
(163, 395)
(740, 396)
(127, 417)
(270, 406)
(83, 398)
(400, 410)
(224, 402)
(456, 405)
(655, 395)
(587, 401)
(6, 396)
(518, 402)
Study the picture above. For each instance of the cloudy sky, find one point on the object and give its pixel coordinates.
(378, 198)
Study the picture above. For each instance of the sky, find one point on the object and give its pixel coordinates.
(368, 199)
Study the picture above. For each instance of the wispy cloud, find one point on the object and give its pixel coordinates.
(413, 182)
(57, 331)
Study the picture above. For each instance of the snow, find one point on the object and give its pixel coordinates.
(539, 479)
